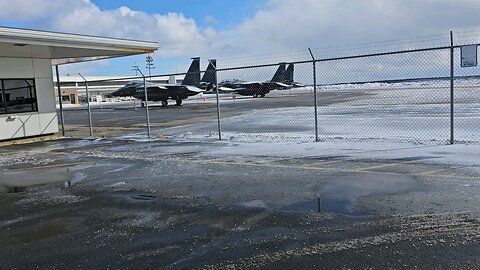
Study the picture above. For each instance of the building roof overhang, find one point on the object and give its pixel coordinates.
(65, 48)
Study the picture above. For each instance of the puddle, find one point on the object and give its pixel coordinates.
(122, 168)
(16, 189)
(330, 203)
(77, 177)
(333, 203)
(52, 229)
(254, 204)
(417, 158)
(143, 197)
(118, 184)
(54, 174)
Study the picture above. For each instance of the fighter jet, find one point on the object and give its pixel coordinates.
(163, 92)
(258, 89)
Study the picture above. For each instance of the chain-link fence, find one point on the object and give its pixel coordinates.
(386, 97)
(405, 96)
(266, 106)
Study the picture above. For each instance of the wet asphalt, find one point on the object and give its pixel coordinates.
(103, 204)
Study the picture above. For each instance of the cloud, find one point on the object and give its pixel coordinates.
(209, 19)
(280, 29)
(286, 25)
(176, 33)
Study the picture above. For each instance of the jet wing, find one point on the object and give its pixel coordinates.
(282, 84)
(160, 87)
(226, 89)
(252, 85)
(193, 89)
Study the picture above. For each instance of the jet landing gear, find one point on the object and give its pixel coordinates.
(142, 104)
(257, 95)
(179, 102)
(164, 103)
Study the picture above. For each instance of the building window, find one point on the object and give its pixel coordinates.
(18, 96)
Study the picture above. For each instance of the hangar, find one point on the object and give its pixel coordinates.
(27, 95)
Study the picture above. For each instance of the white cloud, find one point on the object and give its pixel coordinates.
(287, 24)
(177, 34)
(278, 25)
(208, 19)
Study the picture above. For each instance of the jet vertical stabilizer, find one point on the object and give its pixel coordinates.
(278, 76)
(288, 75)
(208, 79)
(193, 74)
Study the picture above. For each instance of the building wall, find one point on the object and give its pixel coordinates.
(44, 121)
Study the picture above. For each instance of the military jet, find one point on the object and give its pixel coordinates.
(259, 89)
(163, 92)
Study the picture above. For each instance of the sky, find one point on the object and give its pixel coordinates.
(240, 32)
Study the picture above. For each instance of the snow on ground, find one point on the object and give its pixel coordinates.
(458, 154)
(402, 112)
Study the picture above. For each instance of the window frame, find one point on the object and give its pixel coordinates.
(31, 89)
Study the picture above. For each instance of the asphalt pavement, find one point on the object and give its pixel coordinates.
(122, 204)
(112, 119)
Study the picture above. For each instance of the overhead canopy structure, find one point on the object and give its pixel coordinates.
(63, 48)
(27, 98)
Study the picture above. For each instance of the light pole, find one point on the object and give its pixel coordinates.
(150, 66)
(135, 68)
(88, 105)
(146, 103)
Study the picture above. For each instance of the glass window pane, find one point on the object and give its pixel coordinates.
(20, 96)
(2, 100)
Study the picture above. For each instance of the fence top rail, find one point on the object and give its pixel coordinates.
(294, 62)
(147, 76)
(409, 80)
(347, 57)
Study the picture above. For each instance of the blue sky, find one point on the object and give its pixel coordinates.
(227, 13)
(224, 15)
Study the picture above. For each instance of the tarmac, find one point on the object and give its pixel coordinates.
(166, 204)
(115, 119)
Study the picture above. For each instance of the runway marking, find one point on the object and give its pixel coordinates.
(430, 173)
(74, 164)
(369, 168)
(335, 161)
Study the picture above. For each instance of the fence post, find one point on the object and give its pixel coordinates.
(88, 105)
(146, 102)
(60, 103)
(315, 93)
(452, 82)
(213, 62)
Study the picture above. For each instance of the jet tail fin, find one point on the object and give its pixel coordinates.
(209, 76)
(278, 76)
(193, 74)
(288, 75)
(208, 79)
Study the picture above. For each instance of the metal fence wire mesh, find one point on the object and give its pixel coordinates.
(400, 96)
(258, 106)
(395, 97)
(466, 102)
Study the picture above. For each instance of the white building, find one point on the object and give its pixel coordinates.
(27, 98)
(100, 87)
